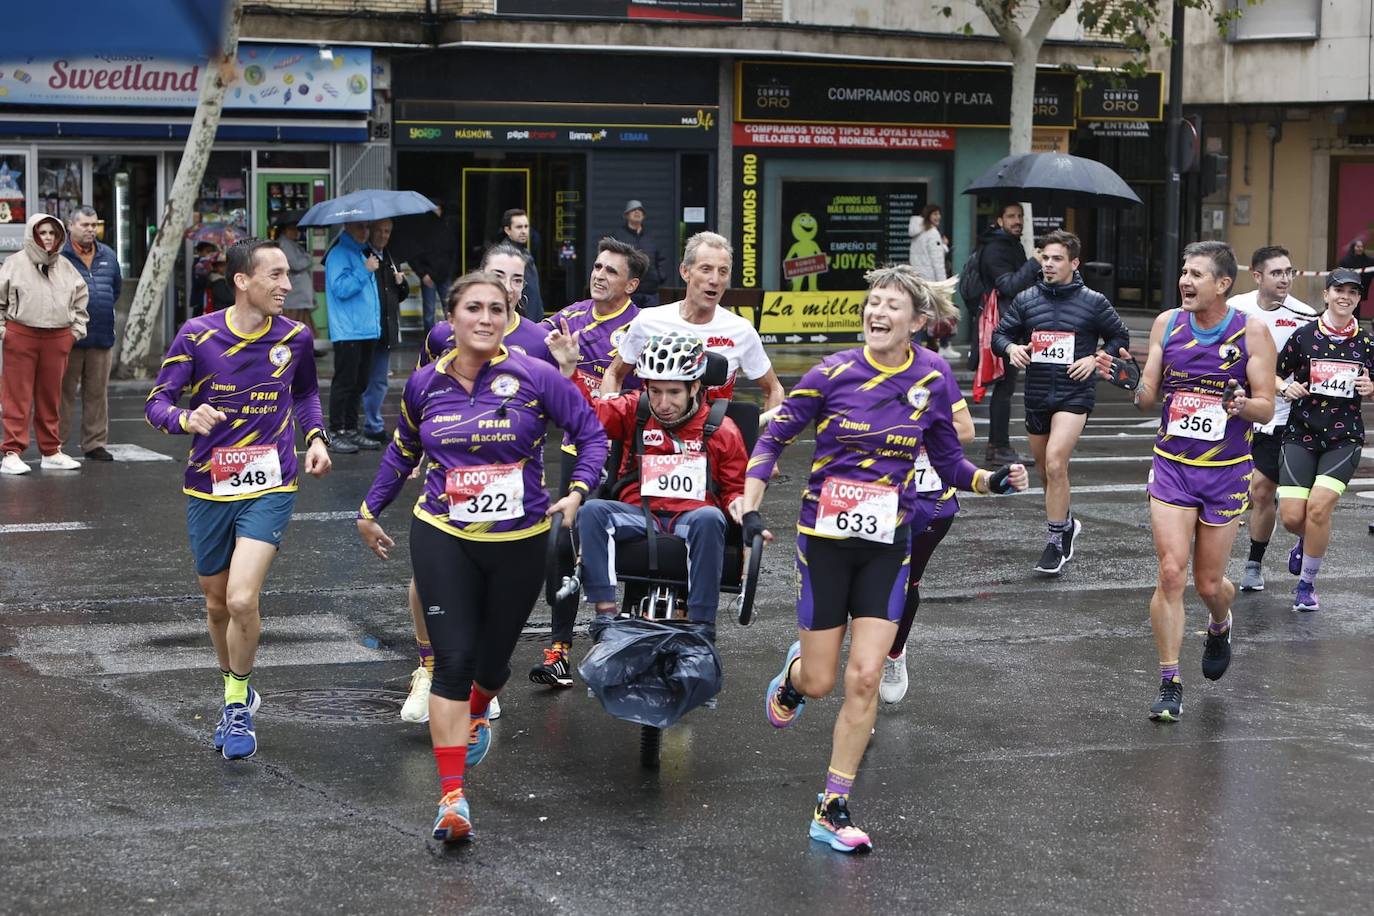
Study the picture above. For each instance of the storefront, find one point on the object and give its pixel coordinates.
(832, 162)
(569, 140)
(111, 133)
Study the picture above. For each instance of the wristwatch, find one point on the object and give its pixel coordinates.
(317, 434)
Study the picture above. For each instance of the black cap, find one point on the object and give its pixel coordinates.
(1344, 275)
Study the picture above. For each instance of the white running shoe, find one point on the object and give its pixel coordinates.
(13, 464)
(416, 707)
(949, 353)
(893, 685)
(494, 709)
(59, 462)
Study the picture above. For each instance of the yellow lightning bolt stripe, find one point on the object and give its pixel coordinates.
(180, 358)
(195, 389)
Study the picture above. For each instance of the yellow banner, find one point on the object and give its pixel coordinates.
(800, 318)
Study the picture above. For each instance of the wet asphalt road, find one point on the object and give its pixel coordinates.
(1019, 775)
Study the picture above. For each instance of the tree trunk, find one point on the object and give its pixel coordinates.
(146, 311)
(1027, 54)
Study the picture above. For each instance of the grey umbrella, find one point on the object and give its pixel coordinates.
(1054, 180)
(365, 206)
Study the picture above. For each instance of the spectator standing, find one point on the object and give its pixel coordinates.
(88, 365)
(392, 288)
(355, 324)
(300, 302)
(516, 226)
(433, 259)
(42, 314)
(1357, 259)
(1005, 268)
(929, 249)
(633, 233)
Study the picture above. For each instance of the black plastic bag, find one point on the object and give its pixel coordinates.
(650, 672)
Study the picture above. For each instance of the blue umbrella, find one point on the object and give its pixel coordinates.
(365, 206)
(1055, 180)
(176, 29)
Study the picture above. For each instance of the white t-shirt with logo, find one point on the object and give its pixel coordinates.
(1281, 322)
(726, 333)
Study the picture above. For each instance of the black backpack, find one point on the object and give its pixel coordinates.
(972, 287)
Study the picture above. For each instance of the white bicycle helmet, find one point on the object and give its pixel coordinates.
(672, 357)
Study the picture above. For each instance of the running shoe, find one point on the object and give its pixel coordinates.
(13, 464)
(554, 670)
(893, 686)
(1169, 706)
(1051, 561)
(832, 824)
(58, 461)
(1253, 580)
(454, 823)
(416, 707)
(222, 729)
(479, 739)
(1216, 654)
(1305, 597)
(341, 443)
(1295, 559)
(783, 704)
(494, 709)
(1071, 539)
(240, 740)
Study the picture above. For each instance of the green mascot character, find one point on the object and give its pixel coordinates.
(804, 229)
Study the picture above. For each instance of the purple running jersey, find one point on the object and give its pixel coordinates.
(1194, 428)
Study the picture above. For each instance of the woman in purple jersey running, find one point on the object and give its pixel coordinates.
(875, 408)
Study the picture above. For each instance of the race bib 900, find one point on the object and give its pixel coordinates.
(485, 493)
(854, 509)
(673, 476)
(240, 471)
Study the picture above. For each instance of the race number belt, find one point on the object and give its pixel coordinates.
(1053, 347)
(854, 509)
(1333, 377)
(239, 471)
(1193, 415)
(927, 478)
(485, 493)
(675, 476)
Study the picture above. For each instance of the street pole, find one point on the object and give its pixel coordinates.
(1171, 256)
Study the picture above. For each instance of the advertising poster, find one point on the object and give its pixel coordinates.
(811, 318)
(833, 232)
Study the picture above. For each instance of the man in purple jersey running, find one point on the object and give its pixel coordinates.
(251, 376)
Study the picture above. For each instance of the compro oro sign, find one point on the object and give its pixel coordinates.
(277, 78)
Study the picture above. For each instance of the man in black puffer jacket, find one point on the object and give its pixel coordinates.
(1052, 330)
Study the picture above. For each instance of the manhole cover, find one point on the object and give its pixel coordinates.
(358, 705)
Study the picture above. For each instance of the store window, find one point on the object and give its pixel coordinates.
(1291, 20)
(60, 180)
(13, 189)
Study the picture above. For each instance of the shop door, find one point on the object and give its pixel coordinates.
(284, 196)
(124, 193)
(651, 178)
(485, 194)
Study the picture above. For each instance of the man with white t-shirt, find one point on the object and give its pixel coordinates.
(1282, 315)
(705, 270)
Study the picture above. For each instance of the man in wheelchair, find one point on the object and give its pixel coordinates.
(681, 472)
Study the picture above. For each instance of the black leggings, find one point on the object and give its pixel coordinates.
(1301, 469)
(476, 597)
(922, 547)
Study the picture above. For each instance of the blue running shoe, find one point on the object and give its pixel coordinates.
(1295, 559)
(254, 701)
(240, 741)
(479, 739)
(454, 823)
(783, 704)
(831, 824)
(1305, 597)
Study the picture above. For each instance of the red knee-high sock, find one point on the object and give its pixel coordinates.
(478, 701)
(451, 762)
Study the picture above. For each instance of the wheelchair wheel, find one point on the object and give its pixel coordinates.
(650, 742)
(751, 582)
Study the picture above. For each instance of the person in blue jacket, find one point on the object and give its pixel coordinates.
(355, 324)
(88, 366)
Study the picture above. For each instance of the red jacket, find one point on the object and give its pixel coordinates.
(726, 457)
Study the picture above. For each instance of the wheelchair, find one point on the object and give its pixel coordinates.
(653, 570)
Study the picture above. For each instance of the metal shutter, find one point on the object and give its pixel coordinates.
(615, 177)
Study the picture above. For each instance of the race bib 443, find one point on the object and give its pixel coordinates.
(486, 493)
(240, 471)
(1054, 347)
(854, 509)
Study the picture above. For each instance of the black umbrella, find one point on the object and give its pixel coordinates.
(1054, 180)
(649, 672)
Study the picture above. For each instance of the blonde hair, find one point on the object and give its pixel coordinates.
(932, 298)
(467, 281)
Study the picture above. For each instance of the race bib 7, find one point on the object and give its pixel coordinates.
(485, 493)
(854, 509)
(240, 471)
(927, 478)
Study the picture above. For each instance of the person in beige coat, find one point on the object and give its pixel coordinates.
(42, 314)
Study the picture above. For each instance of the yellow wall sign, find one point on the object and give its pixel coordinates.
(798, 318)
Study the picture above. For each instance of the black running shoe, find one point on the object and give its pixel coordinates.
(554, 670)
(1071, 538)
(1169, 706)
(1051, 561)
(1216, 655)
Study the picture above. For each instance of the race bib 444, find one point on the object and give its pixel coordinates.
(485, 493)
(854, 509)
(1333, 377)
(240, 471)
